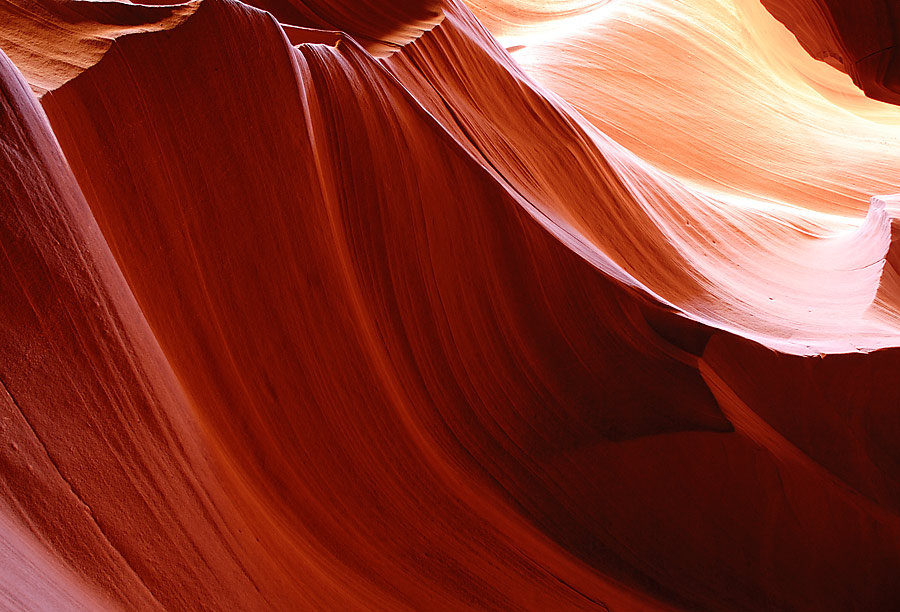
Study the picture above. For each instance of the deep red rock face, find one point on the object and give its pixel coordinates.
(358, 305)
(862, 38)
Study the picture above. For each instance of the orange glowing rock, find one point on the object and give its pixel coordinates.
(342, 306)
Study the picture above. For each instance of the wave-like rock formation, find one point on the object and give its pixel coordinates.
(362, 305)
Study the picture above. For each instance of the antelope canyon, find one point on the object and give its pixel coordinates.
(425, 305)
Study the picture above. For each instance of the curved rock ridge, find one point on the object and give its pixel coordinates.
(667, 235)
(861, 38)
(52, 42)
(380, 27)
(342, 306)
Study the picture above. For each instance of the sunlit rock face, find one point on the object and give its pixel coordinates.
(507, 305)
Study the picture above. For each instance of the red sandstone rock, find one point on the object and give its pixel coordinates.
(292, 327)
(862, 38)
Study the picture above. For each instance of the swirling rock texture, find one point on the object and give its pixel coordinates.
(514, 305)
